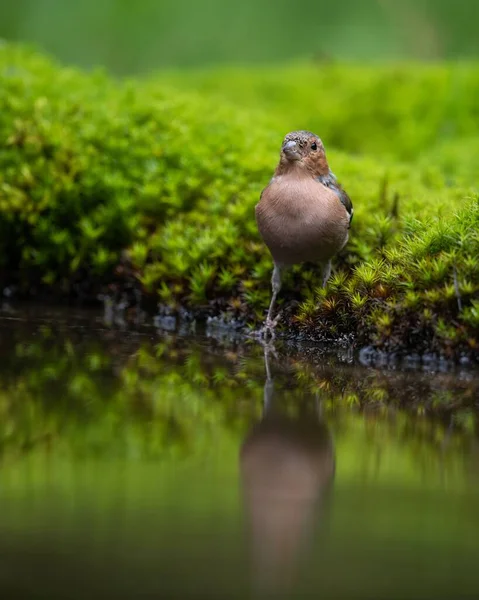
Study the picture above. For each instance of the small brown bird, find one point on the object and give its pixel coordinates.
(303, 214)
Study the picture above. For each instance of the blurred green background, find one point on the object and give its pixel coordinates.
(130, 37)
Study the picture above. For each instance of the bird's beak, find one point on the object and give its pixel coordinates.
(290, 150)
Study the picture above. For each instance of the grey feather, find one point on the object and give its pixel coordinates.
(332, 183)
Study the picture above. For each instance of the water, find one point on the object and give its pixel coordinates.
(138, 464)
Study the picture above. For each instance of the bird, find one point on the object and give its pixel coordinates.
(304, 214)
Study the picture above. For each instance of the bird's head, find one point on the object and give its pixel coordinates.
(303, 150)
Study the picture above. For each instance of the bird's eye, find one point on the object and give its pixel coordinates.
(314, 146)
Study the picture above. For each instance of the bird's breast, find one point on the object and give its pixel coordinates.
(301, 220)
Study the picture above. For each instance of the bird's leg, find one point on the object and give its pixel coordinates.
(326, 273)
(276, 286)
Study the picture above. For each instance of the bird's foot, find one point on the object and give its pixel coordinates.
(267, 332)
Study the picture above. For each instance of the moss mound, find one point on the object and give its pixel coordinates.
(158, 178)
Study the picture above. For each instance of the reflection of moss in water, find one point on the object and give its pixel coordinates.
(174, 402)
(153, 185)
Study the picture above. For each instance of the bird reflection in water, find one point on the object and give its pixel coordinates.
(287, 468)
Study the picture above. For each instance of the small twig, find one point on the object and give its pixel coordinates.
(456, 288)
(383, 191)
(395, 206)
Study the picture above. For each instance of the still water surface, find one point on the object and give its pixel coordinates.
(140, 464)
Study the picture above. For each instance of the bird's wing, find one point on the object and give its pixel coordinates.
(333, 184)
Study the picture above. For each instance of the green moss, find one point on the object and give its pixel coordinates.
(156, 180)
(402, 111)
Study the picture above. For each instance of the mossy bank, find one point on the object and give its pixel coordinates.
(151, 184)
